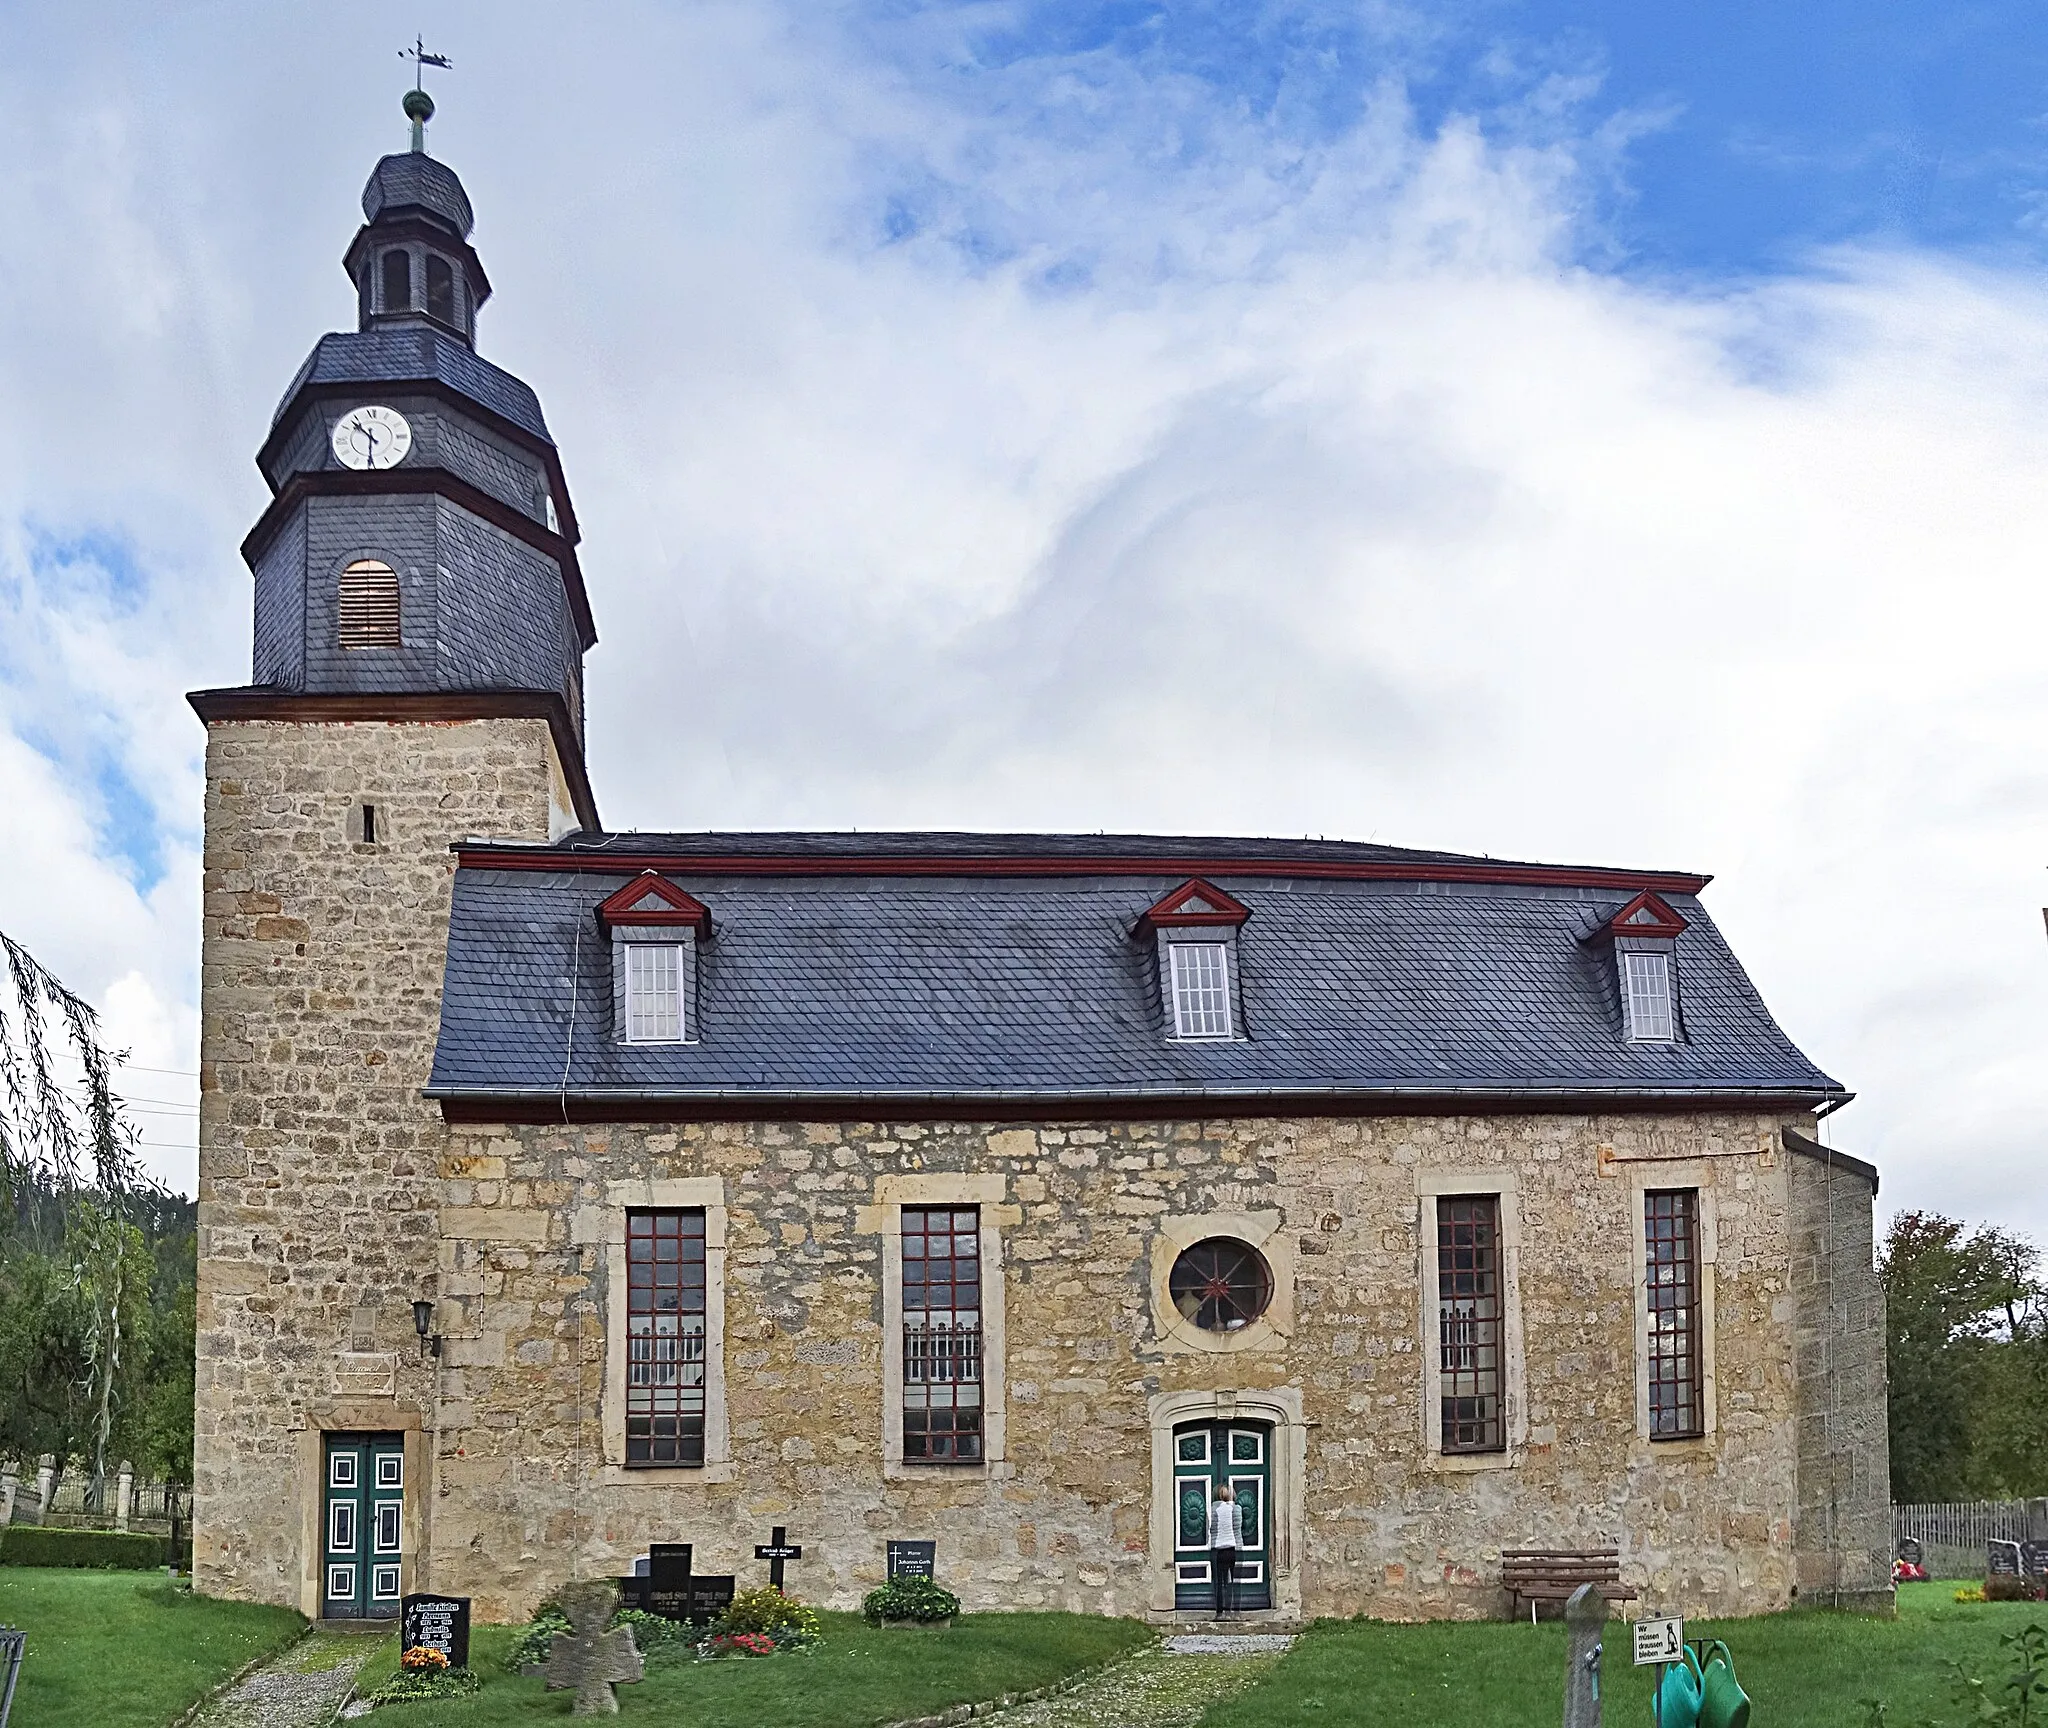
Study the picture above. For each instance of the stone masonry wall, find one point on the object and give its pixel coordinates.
(1844, 1550)
(320, 998)
(522, 1501)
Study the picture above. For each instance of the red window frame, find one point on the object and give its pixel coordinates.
(664, 1350)
(942, 1336)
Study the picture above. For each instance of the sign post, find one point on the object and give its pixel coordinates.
(777, 1550)
(1657, 1644)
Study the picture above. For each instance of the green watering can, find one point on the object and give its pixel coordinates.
(1678, 1694)
(1723, 1703)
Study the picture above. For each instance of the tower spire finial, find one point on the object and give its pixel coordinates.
(418, 105)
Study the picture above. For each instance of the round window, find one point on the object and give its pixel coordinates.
(1222, 1285)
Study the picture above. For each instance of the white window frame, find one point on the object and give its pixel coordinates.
(635, 958)
(1180, 988)
(1642, 1028)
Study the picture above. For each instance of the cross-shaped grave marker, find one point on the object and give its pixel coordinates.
(587, 1658)
(777, 1550)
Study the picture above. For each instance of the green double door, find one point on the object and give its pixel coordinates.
(362, 1526)
(1205, 1453)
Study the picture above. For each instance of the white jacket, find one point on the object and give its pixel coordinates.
(1226, 1524)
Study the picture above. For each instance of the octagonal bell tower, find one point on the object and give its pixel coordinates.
(420, 627)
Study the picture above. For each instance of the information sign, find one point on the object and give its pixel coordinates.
(1659, 1641)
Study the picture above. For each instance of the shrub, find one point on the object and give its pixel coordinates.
(792, 1625)
(657, 1639)
(416, 1685)
(909, 1599)
(44, 1545)
(536, 1638)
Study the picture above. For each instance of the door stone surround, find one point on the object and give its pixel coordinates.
(1278, 1406)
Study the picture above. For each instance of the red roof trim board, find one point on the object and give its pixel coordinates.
(1194, 902)
(651, 899)
(486, 857)
(1645, 915)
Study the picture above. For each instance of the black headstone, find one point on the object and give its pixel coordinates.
(666, 1588)
(1910, 1551)
(913, 1559)
(709, 1597)
(437, 1623)
(2003, 1559)
(2034, 1559)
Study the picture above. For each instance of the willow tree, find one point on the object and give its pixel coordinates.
(53, 1129)
(56, 1131)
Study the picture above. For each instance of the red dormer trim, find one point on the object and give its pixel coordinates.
(1645, 915)
(1194, 902)
(652, 899)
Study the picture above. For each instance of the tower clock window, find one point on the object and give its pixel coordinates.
(397, 281)
(440, 290)
(366, 615)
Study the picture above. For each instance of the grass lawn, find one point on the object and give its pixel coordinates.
(1803, 1670)
(125, 1649)
(856, 1678)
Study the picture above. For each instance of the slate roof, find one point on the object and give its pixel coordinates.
(417, 181)
(871, 982)
(418, 353)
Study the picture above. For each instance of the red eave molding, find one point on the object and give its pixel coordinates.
(488, 857)
(1646, 915)
(1194, 903)
(651, 899)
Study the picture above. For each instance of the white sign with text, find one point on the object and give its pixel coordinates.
(1659, 1641)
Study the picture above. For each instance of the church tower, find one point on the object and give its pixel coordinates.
(420, 627)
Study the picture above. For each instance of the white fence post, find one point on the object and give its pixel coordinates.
(124, 1495)
(9, 1482)
(46, 1485)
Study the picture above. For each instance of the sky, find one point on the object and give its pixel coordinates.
(1555, 429)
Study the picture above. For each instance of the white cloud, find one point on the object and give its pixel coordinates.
(1178, 472)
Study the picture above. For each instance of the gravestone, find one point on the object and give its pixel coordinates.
(1911, 1552)
(588, 1659)
(436, 1623)
(913, 1559)
(670, 1589)
(2002, 1559)
(2034, 1559)
(777, 1551)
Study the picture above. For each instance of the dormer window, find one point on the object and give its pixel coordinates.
(1646, 996)
(654, 929)
(1644, 935)
(1194, 930)
(1200, 976)
(654, 992)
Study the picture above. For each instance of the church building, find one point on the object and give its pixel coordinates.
(565, 1192)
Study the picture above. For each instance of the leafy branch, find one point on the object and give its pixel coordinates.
(47, 1128)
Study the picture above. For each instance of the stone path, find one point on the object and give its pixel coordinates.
(302, 1688)
(1168, 1687)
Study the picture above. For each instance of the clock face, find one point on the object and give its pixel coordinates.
(371, 438)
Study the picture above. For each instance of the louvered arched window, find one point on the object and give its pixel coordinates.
(397, 281)
(367, 615)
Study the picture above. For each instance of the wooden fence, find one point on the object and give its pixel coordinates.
(1953, 1533)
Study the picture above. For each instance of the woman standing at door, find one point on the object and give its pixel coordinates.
(1226, 1531)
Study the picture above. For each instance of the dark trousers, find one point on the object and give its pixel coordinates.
(1222, 1569)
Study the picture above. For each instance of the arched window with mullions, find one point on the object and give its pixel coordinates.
(366, 612)
(398, 280)
(440, 290)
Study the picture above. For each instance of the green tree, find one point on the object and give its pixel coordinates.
(1968, 1360)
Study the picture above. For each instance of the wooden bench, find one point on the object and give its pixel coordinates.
(1536, 1575)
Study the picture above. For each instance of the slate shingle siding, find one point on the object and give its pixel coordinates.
(491, 463)
(994, 985)
(279, 656)
(395, 353)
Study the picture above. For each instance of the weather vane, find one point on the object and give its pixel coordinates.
(419, 106)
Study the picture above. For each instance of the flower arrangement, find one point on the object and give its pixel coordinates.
(421, 1660)
(423, 1674)
(789, 1624)
(736, 1644)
